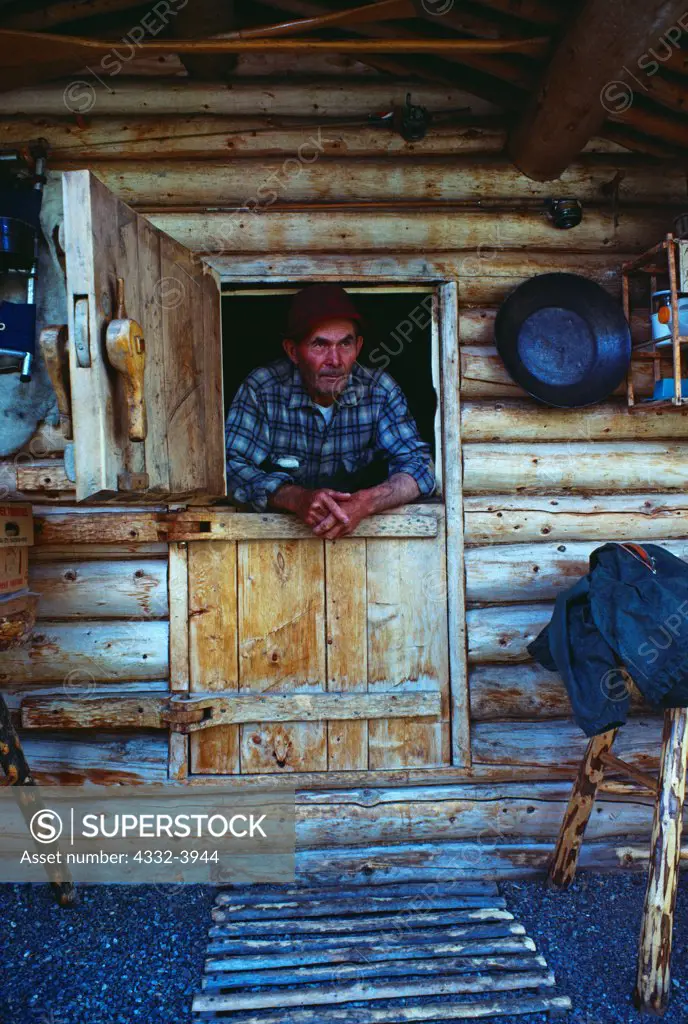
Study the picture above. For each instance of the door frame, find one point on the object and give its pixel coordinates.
(367, 274)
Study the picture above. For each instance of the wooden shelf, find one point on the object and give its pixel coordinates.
(651, 263)
(660, 403)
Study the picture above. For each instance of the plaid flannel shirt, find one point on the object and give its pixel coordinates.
(273, 419)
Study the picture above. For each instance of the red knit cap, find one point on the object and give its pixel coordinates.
(315, 304)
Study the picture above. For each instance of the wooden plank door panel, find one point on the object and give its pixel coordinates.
(302, 616)
(281, 622)
(175, 298)
(347, 647)
(213, 659)
(407, 646)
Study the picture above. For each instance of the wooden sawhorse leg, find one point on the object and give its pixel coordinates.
(654, 957)
(562, 868)
(16, 768)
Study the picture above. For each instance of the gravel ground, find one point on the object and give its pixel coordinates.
(135, 953)
(589, 937)
(124, 954)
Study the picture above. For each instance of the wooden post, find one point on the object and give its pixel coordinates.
(654, 957)
(603, 39)
(16, 768)
(562, 869)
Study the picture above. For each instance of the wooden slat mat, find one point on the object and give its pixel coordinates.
(385, 954)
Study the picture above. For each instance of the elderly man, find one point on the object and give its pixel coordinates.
(318, 435)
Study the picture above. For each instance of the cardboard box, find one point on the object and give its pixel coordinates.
(14, 569)
(16, 525)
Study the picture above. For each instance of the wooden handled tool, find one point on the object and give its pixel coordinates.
(126, 350)
(52, 343)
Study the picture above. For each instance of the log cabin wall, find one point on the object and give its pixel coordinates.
(542, 487)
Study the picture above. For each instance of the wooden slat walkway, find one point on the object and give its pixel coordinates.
(385, 954)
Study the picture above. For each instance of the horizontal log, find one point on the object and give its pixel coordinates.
(210, 137)
(596, 467)
(524, 691)
(103, 712)
(208, 524)
(145, 527)
(307, 179)
(269, 897)
(85, 654)
(485, 276)
(96, 552)
(533, 810)
(104, 590)
(562, 742)
(502, 634)
(112, 712)
(22, 480)
(539, 572)
(514, 420)
(386, 969)
(657, 122)
(484, 375)
(14, 693)
(344, 99)
(506, 518)
(428, 230)
(361, 991)
(101, 526)
(429, 862)
(104, 759)
(321, 781)
(477, 324)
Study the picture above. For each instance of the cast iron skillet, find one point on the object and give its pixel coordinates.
(564, 339)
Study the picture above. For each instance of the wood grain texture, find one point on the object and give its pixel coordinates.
(85, 654)
(111, 712)
(282, 647)
(101, 589)
(206, 524)
(98, 527)
(418, 231)
(455, 591)
(484, 375)
(188, 137)
(562, 742)
(244, 99)
(178, 584)
(509, 573)
(102, 758)
(562, 868)
(500, 692)
(347, 646)
(511, 420)
(166, 292)
(407, 645)
(196, 182)
(213, 647)
(594, 467)
(502, 634)
(510, 518)
(653, 979)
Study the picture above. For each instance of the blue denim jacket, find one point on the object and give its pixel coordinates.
(625, 614)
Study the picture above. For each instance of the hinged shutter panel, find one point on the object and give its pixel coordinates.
(172, 334)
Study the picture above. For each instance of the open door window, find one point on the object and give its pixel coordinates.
(145, 355)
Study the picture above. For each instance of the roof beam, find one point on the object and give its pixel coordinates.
(602, 45)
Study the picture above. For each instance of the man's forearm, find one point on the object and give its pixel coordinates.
(399, 489)
(288, 497)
